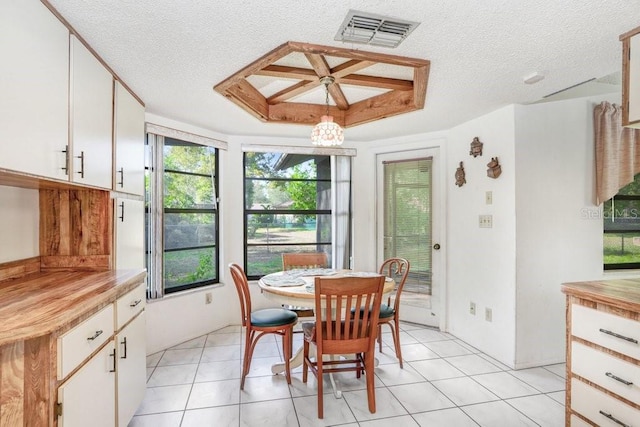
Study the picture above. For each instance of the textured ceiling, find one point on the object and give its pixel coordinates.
(173, 53)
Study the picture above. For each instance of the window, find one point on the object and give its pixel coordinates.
(182, 214)
(288, 208)
(621, 217)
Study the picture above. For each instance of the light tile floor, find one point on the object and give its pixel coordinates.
(445, 382)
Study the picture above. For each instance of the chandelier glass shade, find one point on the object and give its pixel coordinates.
(327, 133)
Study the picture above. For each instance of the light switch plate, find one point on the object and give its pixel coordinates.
(489, 197)
(486, 221)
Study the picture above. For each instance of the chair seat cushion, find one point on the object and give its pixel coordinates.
(386, 311)
(273, 317)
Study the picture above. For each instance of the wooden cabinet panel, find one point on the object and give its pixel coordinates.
(91, 118)
(631, 78)
(88, 397)
(34, 83)
(131, 373)
(128, 142)
(130, 304)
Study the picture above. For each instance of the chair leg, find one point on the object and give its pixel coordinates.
(396, 340)
(319, 380)
(369, 373)
(286, 350)
(305, 364)
(380, 336)
(246, 361)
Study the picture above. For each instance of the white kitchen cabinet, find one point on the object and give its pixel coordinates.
(129, 235)
(34, 88)
(87, 398)
(128, 129)
(91, 118)
(631, 78)
(131, 373)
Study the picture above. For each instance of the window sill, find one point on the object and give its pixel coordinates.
(186, 292)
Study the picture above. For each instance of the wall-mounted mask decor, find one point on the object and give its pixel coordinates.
(460, 180)
(476, 147)
(494, 170)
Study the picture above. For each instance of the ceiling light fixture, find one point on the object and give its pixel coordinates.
(327, 133)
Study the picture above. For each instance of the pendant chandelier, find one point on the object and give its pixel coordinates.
(327, 133)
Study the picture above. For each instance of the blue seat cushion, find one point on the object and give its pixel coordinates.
(386, 311)
(273, 317)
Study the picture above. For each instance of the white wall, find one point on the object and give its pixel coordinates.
(481, 261)
(19, 224)
(556, 239)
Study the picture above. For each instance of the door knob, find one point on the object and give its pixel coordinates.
(436, 246)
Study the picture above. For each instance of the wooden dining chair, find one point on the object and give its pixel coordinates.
(261, 322)
(340, 333)
(295, 260)
(397, 269)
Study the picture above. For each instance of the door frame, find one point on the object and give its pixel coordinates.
(438, 224)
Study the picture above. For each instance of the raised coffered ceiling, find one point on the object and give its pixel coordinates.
(283, 85)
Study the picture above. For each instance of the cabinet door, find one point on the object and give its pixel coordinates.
(91, 118)
(129, 142)
(88, 397)
(132, 371)
(34, 88)
(129, 225)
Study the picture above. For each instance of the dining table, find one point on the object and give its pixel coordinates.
(296, 287)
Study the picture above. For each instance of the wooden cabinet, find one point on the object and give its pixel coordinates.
(131, 379)
(129, 235)
(34, 83)
(128, 142)
(603, 352)
(631, 78)
(91, 118)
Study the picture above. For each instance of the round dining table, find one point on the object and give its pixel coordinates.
(296, 288)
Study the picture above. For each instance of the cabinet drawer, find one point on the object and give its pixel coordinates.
(605, 329)
(78, 343)
(578, 422)
(130, 304)
(596, 405)
(603, 369)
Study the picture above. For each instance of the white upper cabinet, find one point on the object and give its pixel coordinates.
(91, 118)
(34, 89)
(129, 233)
(631, 78)
(129, 142)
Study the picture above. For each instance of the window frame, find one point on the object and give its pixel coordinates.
(628, 265)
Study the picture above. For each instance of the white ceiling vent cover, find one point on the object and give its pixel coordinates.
(377, 30)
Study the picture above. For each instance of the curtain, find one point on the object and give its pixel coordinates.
(341, 186)
(617, 151)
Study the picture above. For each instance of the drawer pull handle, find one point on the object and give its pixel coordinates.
(96, 335)
(622, 337)
(625, 382)
(614, 419)
(124, 343)
(135, 303)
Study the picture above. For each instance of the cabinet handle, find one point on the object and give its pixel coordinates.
(614, 419)
(66, 160)
(121, 216)
(622, 337)
(625, 382)
(96, 335)
(124, 342)
(135, 303)
(113, 355)
(121, 182)
(81, 157)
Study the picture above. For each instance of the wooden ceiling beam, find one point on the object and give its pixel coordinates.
(379, 107)
(322, 69)
(283, 72)
(248, 97)
(303, 114)
(350, 67)
(292, 91)
(377, 82)
(420, 79)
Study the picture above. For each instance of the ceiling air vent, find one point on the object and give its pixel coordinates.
(377, 30)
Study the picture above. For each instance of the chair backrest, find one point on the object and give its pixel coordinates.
(304, 260)
(242, 286)
(348, 320)
(398, 270)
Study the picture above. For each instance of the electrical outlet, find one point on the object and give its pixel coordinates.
(486, 221)
(488, 314)
(208, 298)
(472, 308)
(489, 197)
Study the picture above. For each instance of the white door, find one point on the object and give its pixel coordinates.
(408, 226)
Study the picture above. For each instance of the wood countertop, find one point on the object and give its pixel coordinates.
(41, 303)
(624, 293)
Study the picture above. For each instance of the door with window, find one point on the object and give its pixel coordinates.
(408, 227)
